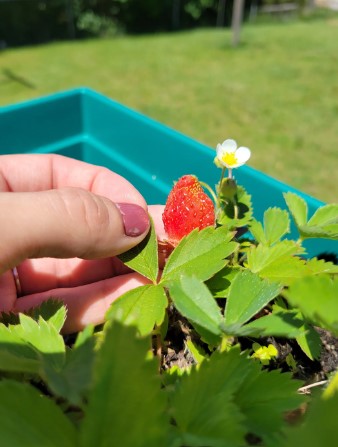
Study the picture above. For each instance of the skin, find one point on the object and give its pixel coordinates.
(60, 227)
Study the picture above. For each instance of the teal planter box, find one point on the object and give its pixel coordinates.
(86, 125)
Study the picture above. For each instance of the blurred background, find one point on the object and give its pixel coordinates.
(259, 71)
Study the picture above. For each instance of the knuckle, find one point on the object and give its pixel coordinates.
(89, 216)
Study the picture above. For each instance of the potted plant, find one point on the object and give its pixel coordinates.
(220, 349)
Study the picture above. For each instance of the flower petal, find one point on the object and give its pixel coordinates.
(229, 145)
(242, 154)
(219, 151)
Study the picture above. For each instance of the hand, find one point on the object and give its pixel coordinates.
(62, 223)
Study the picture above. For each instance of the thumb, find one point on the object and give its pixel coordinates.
(66, 223)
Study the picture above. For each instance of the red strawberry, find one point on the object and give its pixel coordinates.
(188, 207)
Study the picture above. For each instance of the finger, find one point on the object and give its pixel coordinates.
(43, 275)
(7, 292)
(85, 304)
(39, 275)
(66, 223)
(164, 248)
(156, 212)
(39, 172)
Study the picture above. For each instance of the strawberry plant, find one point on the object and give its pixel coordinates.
(218, 349)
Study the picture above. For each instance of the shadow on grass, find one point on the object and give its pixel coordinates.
(10, 76)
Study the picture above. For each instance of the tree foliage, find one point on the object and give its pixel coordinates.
(40, 21)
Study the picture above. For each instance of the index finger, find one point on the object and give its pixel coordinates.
(39, 172)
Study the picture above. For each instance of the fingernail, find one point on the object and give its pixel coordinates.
(135, 219)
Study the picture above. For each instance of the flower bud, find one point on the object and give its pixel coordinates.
(228, 189)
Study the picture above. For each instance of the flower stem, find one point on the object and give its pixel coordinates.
(222, 175)
(210, 190)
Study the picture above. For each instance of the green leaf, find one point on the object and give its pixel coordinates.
(285, 270)
(323, 223)
(196, 351)
(37, 347)
(29, 345)
(194, 301)
(277, 263)
(316, 266)
(126, 404)
(248, 294)
(260, 257)
(332, 387)
(316, 297)
(204, 432)
(143, 306)
(276, 224)
(28, 419)
(15, 354)
(85, 335)
(17, 359)
(228, 397)
(309, 341)
(257, 231)
(201, 254)
(325, 215)
(297, 207)
(202, 405)
(74, 379)
(237, 213)
(43, 337)
(325, 231)
(54, 311)
(264, 397)
(319, 428)
(143, 258)
(277, 324)
(219, 284)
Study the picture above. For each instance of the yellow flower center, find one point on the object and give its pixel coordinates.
(230, 159)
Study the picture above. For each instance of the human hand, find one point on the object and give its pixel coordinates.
(62, 223)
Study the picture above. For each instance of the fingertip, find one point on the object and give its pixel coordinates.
(156, 212)
(135, 219)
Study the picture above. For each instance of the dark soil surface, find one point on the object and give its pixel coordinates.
(175, 352)
(329, 356)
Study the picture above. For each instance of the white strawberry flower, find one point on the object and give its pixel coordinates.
(230, 156)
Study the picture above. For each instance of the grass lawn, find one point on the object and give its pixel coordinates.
(277, 93)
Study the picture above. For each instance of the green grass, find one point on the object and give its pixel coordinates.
(277, 93)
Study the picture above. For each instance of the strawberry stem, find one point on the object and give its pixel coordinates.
(211, 192)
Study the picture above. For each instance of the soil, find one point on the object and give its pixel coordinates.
(175, 352)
